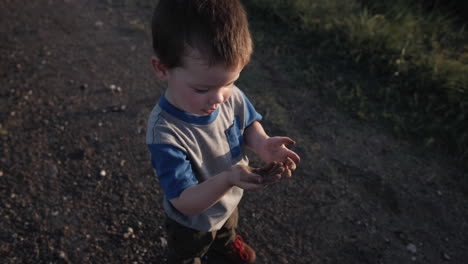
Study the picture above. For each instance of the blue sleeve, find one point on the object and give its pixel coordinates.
(250, 113)
(172, 168)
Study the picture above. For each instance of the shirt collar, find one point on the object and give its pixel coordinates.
(187, 117)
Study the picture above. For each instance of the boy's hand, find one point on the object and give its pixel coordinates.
(270, 173)
(274, 149)
(244, 177)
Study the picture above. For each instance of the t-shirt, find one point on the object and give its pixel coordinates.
(188, 149)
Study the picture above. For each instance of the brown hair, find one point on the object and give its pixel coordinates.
(218, 29)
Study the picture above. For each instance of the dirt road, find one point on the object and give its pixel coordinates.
(76, 185)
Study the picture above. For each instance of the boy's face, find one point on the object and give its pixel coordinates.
(196, 88)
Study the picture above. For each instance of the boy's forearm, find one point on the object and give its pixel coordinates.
(254, 136)
(197, 198)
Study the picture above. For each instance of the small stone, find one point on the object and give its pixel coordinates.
(140, 129)
(123, 107)
(99, 23)
(62, 255)
(112, 87)
(129, 233)
(447, 256)
(55, 213)
(122, 163)
(163, 242)
(53, 171)
(411, 248)
(84, 86)
(1, 173)
(413, 258)
(439, 192)
(103, 173)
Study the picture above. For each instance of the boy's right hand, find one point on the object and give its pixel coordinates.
(245, 177)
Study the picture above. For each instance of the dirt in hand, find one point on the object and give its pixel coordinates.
(271, 172)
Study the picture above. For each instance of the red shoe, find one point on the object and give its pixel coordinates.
(240, 252)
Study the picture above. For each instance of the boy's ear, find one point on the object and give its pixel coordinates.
(160, 70)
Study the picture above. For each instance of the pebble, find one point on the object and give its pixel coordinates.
(119, 108)
(129, 233)
(1, 173)
(103, 173)
(163, 242)
(411, 248)
(447, 256)
(53, 171)
(115, 88)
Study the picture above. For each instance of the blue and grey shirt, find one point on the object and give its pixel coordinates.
(188, 149)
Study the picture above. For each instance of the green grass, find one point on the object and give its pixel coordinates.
(396, 63)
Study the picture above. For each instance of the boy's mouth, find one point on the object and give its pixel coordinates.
(209, 111)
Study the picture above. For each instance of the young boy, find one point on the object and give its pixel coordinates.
(198, 130)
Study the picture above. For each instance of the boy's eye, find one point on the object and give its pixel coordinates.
(201, 90)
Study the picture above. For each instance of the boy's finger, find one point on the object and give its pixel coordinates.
(288, 141)
(272, 179)
(276, 166)
(291, 154)
(255, 178)
(290, 164)
(248, 186)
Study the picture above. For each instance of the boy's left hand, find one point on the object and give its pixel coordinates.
(275, 149)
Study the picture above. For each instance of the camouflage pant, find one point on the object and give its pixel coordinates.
(188, 246)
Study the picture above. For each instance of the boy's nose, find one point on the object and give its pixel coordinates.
(217, 98)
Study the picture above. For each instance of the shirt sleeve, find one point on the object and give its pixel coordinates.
(251, 114)
(173, 169)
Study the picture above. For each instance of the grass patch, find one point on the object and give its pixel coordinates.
(392, 62)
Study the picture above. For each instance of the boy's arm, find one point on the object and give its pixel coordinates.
(255, 136)
(197, 198)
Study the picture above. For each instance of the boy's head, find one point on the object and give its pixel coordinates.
(201, 46)
(215, 29)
